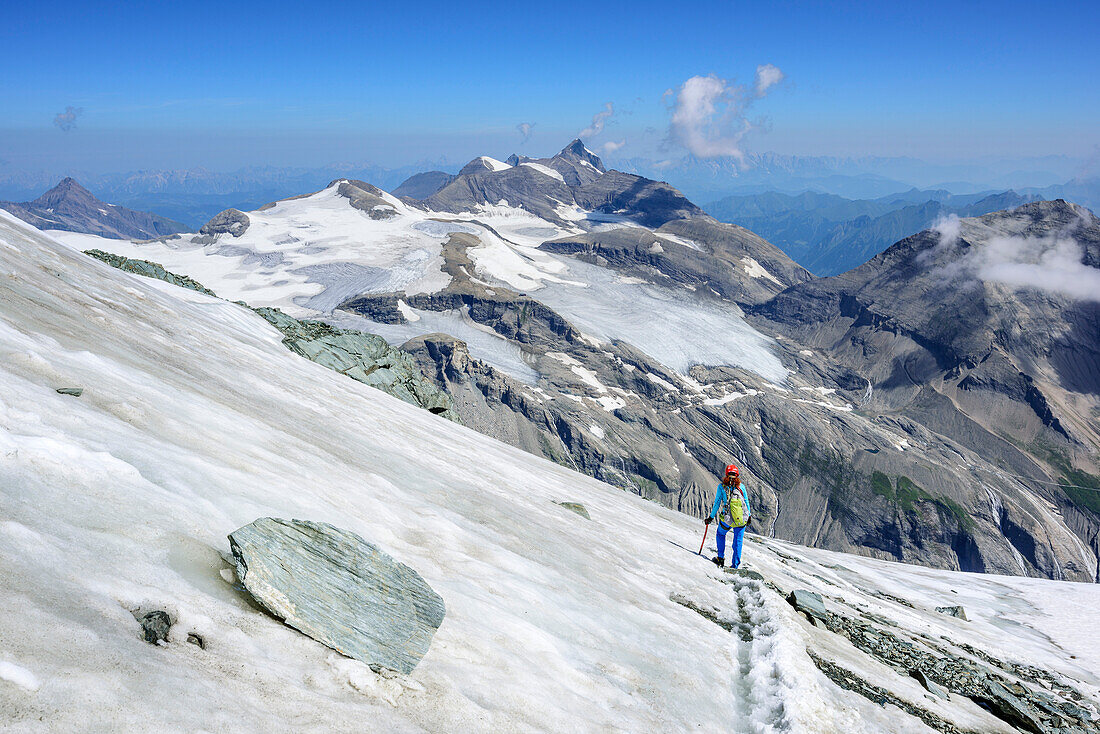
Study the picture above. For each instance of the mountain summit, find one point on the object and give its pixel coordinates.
(72, 208)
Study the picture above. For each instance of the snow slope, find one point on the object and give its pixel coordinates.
(195, 421)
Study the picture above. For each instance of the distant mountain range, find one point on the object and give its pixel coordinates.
(71, 207)
(862, 177)
(193, 196)
(829, 234)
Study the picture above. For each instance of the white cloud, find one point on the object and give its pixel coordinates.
(767, 76)
(524, 129)
(708, 112)
(1053, 263)
(598, 121)
(611, 146)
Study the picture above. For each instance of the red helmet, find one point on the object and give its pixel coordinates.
(731, 469)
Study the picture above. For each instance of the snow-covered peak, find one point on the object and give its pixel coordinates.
(483, 164)
(579, 152)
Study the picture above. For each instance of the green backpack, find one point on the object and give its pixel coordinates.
(738, 512)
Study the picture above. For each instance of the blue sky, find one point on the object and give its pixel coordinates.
(223, 85)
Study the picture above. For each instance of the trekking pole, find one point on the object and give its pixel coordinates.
(705, 529)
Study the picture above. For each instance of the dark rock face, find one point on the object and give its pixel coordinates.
(76, 392)
(337, 588)
(650, 203)
(230, 221)
(72, 208)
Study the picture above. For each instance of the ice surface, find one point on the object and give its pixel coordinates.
(305, 255)
(195, 421)
(688, 332)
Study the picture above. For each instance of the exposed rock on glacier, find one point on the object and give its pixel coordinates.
(363, 357)
(230, 221)
(576, 507)
(149, 269)
(342, 591)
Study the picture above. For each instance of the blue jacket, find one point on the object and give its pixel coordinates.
(720, 498)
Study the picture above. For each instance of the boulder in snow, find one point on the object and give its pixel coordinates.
(576, 507)
(954, 611)
(745, 573)
(337, 588)
(156, 625)
(929, 684)
(230, 221)
(76, 392)
(809, 603)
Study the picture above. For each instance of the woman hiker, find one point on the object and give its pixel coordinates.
(732, 509)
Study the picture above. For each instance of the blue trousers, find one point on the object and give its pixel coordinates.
(738, 536)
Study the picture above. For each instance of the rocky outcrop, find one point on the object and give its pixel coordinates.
(231, 221)
(367, 198)
(364, 357)
(149, 270)
(575, 176)
(155, 626)
(699, 254)
(72, 208)
(337, 588)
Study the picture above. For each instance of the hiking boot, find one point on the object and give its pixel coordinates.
(718, 561)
